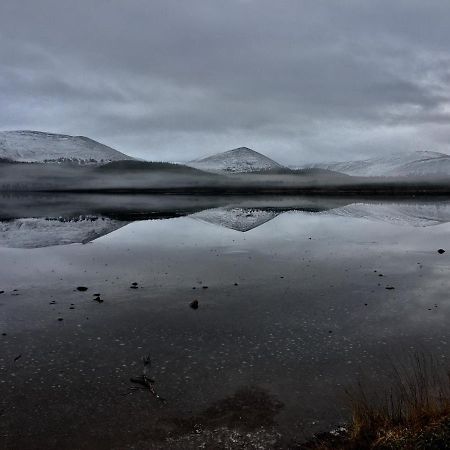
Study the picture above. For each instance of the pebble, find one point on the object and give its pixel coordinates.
(194, 304)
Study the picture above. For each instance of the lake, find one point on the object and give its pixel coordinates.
(298, 300)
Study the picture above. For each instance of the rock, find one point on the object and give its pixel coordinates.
(194, 304)
(82, 288)
(441, 250)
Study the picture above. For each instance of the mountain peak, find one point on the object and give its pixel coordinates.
(242, 149)
(39, 146)
(237, 160)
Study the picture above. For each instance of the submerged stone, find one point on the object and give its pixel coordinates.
(194, 304)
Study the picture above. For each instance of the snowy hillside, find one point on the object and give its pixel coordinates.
(41, 232)
(420, 163)
(35, 146)
(238, 160)
(236, 218)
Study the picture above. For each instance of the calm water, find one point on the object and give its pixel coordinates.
(292, 308)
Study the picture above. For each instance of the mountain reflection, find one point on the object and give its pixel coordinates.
(43, 221)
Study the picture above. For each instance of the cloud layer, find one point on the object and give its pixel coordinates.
(307, 80)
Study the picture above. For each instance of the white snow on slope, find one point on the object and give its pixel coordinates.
(411, 214)
(35, 146)
(238, 160)
(41, 232)
(235, 218)
(420, 163)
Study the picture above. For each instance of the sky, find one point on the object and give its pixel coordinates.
(298, 80)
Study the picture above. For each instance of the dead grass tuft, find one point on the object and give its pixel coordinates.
(413, 412)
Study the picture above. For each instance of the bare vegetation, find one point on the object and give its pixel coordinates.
(412, 413)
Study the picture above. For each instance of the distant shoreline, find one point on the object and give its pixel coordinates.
(358, 190)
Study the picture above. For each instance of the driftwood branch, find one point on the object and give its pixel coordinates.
(144, 381)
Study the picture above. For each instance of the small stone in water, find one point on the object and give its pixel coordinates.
(194, 304)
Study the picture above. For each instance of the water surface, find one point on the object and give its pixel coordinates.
(293, 309)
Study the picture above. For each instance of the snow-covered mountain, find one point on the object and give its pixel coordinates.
(36, 146)
(236, 218)
(41, 232)
(238, 160)
(419, 163)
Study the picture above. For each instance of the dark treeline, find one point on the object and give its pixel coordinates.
(151, 177)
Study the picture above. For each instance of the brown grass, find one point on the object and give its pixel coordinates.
(412, 413)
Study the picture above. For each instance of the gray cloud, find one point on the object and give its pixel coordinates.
(298, 80)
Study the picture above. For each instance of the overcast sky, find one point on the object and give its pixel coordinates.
(298, 80)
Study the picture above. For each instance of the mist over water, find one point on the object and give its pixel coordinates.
(292, 295)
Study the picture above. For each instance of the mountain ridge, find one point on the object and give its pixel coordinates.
(237, 160)
(416, 163)
(28, 146)
(39, 146)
